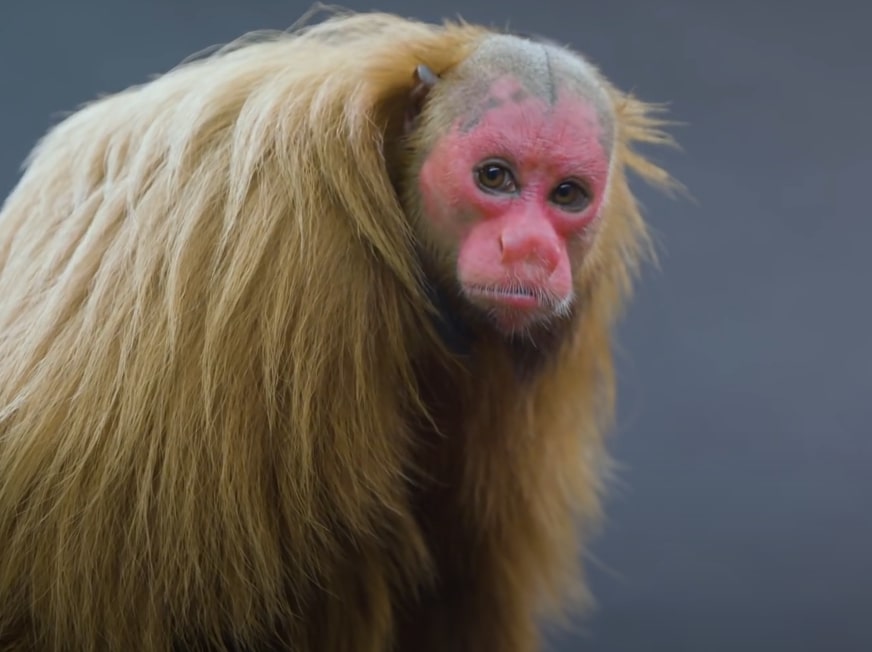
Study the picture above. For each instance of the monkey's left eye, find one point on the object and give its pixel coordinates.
(571, 196)
(495, 177)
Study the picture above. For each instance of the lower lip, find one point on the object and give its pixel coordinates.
(510, 299)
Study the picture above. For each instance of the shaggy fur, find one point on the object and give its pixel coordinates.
(225, 416)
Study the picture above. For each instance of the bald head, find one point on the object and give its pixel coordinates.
(507, 68)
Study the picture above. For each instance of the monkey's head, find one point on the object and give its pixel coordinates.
(514, 150)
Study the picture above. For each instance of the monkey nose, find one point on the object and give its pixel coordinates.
(531, 247)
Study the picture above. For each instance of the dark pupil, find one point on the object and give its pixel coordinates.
(493, 175)
(565, 191)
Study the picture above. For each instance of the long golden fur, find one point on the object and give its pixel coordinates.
(224, 412)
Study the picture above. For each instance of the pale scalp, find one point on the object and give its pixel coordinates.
(541, 69)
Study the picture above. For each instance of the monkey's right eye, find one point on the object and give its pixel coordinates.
(495, 177)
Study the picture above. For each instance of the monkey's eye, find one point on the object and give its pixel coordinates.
(495, 177)
(571, 196)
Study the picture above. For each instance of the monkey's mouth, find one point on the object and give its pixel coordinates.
(517, 297)
(516, 308)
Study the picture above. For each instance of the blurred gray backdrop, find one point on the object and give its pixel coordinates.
(741, 518)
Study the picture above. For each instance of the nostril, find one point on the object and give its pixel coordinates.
(515, 247)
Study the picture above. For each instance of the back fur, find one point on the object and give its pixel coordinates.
(211, 391)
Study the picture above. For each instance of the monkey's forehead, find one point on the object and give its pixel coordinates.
(544, 69)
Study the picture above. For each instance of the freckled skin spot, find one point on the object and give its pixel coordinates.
(506, 90)
(520, 240)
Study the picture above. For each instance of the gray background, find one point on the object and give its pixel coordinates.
(740, 519)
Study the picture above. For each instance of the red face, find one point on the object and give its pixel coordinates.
(515, 187)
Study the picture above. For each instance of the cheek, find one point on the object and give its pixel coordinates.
(436, 206)
(442, 192)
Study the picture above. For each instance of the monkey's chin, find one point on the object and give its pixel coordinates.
(513, 323)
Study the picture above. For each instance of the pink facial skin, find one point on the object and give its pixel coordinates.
(513, 253)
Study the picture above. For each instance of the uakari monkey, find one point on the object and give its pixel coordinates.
(305, 345)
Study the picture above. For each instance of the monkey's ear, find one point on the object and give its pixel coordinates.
(425, 79)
